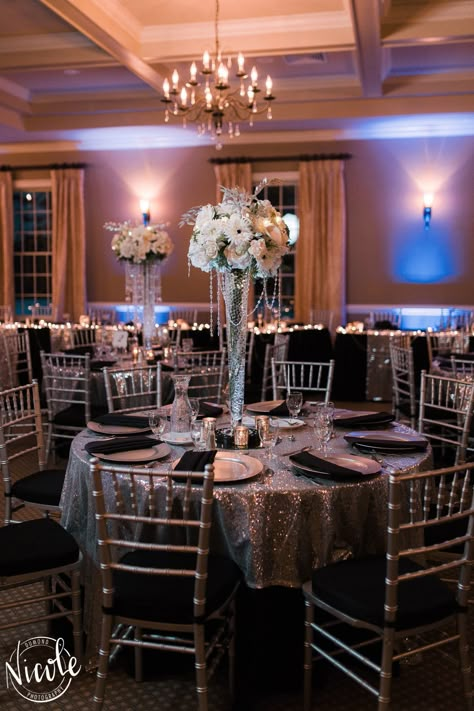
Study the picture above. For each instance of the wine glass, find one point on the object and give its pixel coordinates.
(195, 404)
(198, 434)
(157, 422)
(268, 433)
(294, 403)
(323, 425)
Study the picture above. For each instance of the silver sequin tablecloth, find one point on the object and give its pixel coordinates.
(277, 527)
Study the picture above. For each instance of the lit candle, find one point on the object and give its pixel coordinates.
(184, 97)
(269, 85)
(206, 59)
(193, 72)
(175, 79)
(240, 62)
(254, 76)
(166, 89)
(241, 436)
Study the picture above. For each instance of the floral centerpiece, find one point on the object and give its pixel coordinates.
(139, 243)
(241, 238)
(142, 248)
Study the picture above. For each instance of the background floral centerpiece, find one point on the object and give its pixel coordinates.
(142, 248)
(240, 239)
(139, 243)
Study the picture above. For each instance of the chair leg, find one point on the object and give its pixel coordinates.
(106, 631)
(200, 667)
(231, 652)
(385, 681)
(8, 509)
(138, 656)
(465, 659)
(308, 654)
(76, 615)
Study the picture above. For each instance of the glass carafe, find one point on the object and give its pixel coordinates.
(181, 409)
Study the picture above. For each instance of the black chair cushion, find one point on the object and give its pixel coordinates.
(169, 598)
(357, 587)
(41, 487)
(41, 544)
(75, 415)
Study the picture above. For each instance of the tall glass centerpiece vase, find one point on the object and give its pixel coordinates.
(241, 239)
(143, 291)
(142, 248)
(235, 290)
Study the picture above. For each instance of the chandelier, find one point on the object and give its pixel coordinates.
(212, 103)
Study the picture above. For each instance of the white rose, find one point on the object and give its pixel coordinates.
(257, 248)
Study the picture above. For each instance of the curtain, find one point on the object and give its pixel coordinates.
(7, 289)
(232, 175)
(69, 244)
(320, 270)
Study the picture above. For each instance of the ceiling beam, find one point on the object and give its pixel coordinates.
(369, 56)
(104, 30)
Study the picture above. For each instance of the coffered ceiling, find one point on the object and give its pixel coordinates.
(89, 73)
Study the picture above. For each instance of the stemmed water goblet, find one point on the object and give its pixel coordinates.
(323, 425)
(294, 403)
(268, 433)
(157, 421)
(194, 403)
(198, 434)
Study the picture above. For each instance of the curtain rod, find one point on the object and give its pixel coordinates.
(51, 166)
(277, 159)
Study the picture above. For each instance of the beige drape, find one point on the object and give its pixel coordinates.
(7, 289)
(233, 175)
(320, 274)
(69, 242)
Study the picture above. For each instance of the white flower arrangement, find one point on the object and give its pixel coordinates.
(140, 243)
(241, 232)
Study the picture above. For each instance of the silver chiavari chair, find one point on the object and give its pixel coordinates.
(308, 377)
(133, 389)
(16, 347)
(403, 384)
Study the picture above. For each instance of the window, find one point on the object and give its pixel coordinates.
(32, 249)
(284, 197)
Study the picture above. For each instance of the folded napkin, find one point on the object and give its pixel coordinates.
(195, 461)
(120, 420)
(391, 444)
(99, 364)
(121, 444)
(371, 418)
(306, 459)
(280, 410)
(207, 409)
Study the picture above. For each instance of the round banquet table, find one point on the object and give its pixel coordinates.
(276, 526)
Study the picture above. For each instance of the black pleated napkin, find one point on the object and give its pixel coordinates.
(279, 410)
(324, 466)
(121, 444)
(195, 461)
(391, 445)
(207, 409)
(120, 420)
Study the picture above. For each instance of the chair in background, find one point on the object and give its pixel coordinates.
(84, 336)
(278, 350)
(403, 384)
(170, 590)
(397, 598)
(23, 454)
(391, 318)
(6, 314)
(199, 360)
(445, 416)
(314, 378)
(322, 316)
(103, 316)
(133, 389)
(45, 313)
(66, 381)
(462, 367)
(40, 551)
(189, 316)
(444, 344)
(209, 383)
(16, 347)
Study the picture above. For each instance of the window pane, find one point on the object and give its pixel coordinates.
(273, 194)
(41, 203)
(28, 264)
(41, 285)
(42, 221)
(28, 285)
(288, 195)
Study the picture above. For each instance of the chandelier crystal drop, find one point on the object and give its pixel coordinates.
(211, 102)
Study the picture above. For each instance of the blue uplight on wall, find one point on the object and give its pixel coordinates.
(425, 261)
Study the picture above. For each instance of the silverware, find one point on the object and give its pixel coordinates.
(295, 451)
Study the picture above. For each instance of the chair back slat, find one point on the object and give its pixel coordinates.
(306, 376)
(133, 389)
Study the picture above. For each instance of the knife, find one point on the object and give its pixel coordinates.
(294, 451)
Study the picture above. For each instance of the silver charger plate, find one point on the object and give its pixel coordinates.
(231, 468)
(355, 466)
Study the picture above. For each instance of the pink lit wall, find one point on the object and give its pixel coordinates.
(391, 258)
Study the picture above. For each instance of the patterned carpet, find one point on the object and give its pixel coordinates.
(269, 671)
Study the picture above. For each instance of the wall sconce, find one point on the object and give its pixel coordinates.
(427, 201)
(145, 210)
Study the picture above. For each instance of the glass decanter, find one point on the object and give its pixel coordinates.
(181, 409)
